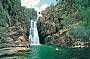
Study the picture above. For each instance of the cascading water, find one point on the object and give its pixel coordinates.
(33, 37)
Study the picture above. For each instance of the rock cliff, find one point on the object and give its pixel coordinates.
(14, 25)
(61, 24)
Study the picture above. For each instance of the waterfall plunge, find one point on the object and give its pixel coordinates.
(33, 36)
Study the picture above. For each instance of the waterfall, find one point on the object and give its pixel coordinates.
(33, 37)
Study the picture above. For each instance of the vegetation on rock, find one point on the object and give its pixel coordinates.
(69, 20)
(14, 21)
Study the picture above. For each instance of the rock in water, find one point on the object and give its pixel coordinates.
(57, 49)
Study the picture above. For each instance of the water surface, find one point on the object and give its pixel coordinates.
(47, 52)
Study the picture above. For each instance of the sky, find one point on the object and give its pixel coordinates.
(39, 5)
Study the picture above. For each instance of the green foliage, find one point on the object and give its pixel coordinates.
(2, 18)
(73, 12)
(67, 20)
(12, 11)
(83, 29)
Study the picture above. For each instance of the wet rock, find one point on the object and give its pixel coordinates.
(13, 50)
(79, 44)
(6, 52)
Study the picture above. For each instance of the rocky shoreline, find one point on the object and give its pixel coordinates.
(13, 51)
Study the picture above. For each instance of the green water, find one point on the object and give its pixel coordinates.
(47, 52)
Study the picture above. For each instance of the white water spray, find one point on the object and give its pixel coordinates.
(33, 37)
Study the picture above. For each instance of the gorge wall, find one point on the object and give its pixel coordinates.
(62, 24)
(14, 23)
